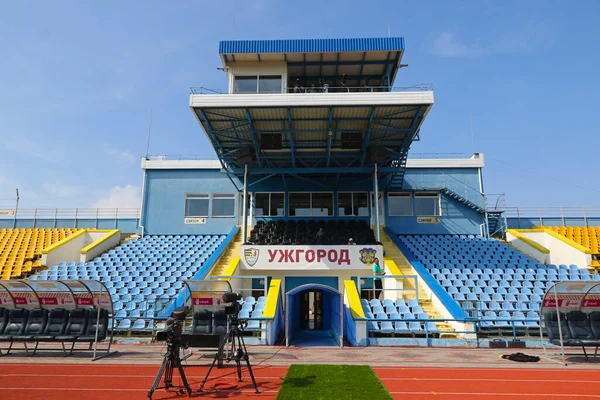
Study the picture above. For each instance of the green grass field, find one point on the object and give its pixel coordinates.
(313, 382)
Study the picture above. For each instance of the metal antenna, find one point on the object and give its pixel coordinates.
(149, 132)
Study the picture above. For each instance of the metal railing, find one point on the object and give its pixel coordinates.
(179, 157)
(467, 156)
(75, 213)
(203, 90)
(126, 219)
(420, 87)
(526, 217)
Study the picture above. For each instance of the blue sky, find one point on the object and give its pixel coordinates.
(79, 79)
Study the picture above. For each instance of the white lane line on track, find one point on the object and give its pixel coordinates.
(521, 369)
(551, 395)
(486, 380)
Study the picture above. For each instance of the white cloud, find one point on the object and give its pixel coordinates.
(21, 145)
(121, 197)
(122, 155)
(60, 190)
(448, 45)
(527, 36)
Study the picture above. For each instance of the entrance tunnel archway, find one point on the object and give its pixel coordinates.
(314, 316)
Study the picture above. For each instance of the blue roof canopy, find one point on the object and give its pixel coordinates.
(358, 61)
(311, 45)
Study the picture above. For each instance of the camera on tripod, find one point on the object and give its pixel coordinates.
(174, 325)
(234, 309)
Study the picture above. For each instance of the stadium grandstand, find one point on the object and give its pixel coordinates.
(316, 140)
(313, 211)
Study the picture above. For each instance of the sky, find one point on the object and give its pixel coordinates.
(515, 80)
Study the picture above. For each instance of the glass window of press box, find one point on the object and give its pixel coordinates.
(311, 204)
(427, 204)
(196, 205)
(257, 84)
(269, 204)
(352, 204)
(400, 204)
(223, 205)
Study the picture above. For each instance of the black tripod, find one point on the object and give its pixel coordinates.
(237, 352)
(171, 361)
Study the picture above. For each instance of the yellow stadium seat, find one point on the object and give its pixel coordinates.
(20, 249)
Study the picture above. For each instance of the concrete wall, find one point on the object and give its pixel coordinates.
(70, 249)
(100, 242)
(525, 248)
(560, 251)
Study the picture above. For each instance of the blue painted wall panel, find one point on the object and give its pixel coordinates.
(165, 200)
(464, 181)
(456, 218)
(126, 225)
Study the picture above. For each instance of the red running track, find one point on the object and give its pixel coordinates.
(490, 383)
(131, 382)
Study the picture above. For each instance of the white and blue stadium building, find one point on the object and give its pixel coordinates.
(313, 134)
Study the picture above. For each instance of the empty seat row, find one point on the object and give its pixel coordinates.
(577, 328)
(135, 283)
(56, 325)
(490, 284)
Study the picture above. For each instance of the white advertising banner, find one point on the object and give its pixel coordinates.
(8, 213)
(310, 257)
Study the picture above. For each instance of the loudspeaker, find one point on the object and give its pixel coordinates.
(270, 141)
(245, 156)
(376, 155)
(351, 140)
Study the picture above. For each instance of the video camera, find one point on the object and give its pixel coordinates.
(174, 325)
(233, 299)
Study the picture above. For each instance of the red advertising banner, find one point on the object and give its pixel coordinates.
(592, 303)
(204, 301)
(85, 301)
(49, 301)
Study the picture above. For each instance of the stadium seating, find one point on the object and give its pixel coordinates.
(588, 237)
(142, 274)
(20, 249)
(304, 232)
(400, 314)
(489, 279)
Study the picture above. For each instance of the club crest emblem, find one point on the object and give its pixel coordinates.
(251, 256)
(367, 256)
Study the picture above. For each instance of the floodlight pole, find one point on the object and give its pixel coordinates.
(376, 199)
(245, 205)
(16, 210)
